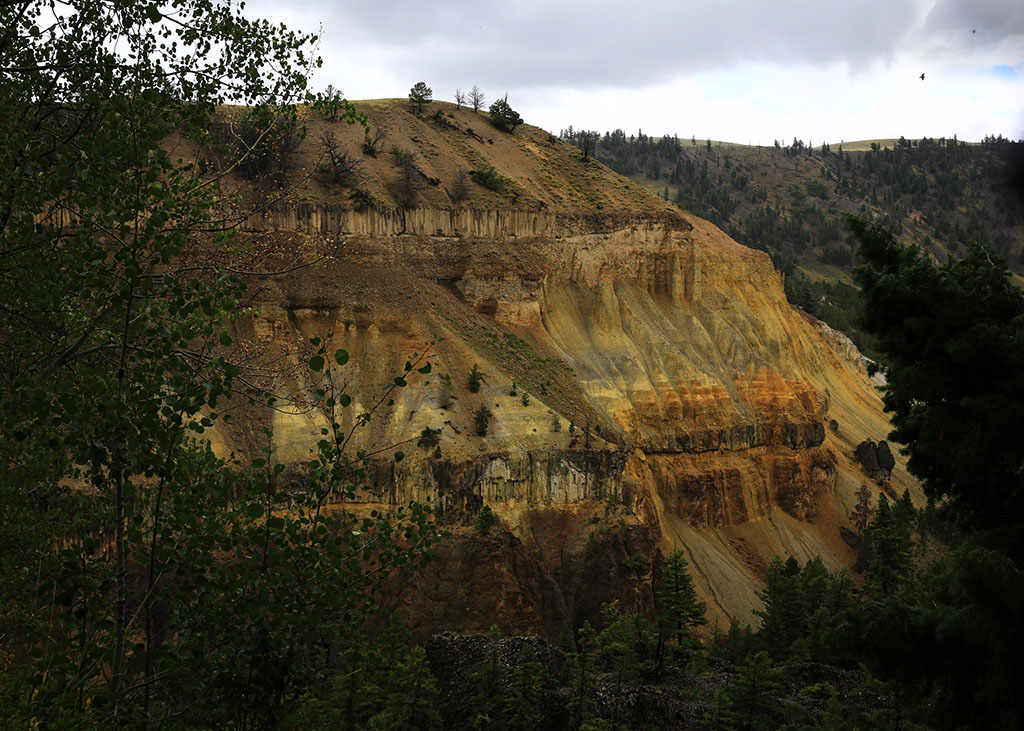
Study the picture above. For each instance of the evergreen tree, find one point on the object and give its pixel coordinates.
(814, 583)
(814, 588)
(805, 610)
(830, 625)
(904, 512)
(784, 616)
(526, 712)
(420, 94)
(504, 116)
(754, 695)
(736, 644)
(617, 643)
(476, 379)
(489, 699)
(578, 665)
(889, 545)
(410, 697)
(383, 684)
(679, 609)
(953, 336)
(482, 419)
(721, 718)
(485, 520)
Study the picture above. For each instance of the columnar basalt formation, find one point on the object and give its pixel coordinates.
(335, 218)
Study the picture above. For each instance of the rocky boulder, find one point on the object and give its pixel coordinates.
(875, 460)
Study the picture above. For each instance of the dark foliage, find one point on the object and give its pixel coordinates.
(504, 116)
(267, 141)
(339, 167)
(488, 177)
(485, 520)
(419, 95)
(482, 420)
(475, 379)
(953, 336)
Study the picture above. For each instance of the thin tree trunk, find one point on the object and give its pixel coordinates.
(415, 698)
(121, 577)
(151, 581)
(583, 679)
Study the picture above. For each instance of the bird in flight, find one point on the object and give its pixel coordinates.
(922, 77)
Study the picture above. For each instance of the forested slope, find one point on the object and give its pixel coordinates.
(788, 200)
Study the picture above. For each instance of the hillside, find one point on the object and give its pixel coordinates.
(651, 388)
(788, 200)
(301, 399)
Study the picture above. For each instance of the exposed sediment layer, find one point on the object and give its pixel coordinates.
(698, 399)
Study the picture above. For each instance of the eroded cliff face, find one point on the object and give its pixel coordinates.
(676, 400)
(699, 402)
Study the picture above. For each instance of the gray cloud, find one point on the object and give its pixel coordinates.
(967, 19)
(528, 43)
(744, 69)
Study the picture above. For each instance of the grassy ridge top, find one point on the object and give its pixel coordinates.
(416, 160)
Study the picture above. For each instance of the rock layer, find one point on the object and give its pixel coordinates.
(676, 400)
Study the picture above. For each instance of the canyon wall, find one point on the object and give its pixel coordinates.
(693, 404)
(650, 386)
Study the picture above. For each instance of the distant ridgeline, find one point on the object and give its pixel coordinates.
(787, 200)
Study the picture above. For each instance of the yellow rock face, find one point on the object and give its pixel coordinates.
(700, 399)
(707, 414)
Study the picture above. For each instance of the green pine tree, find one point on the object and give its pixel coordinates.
(476, 379)
(679, 609)
(489, 700)
(754, 694)
(376, 685)
(579, 664)
(953, 337)
(618, 644)
(721, 718)
(784, 617)
(904, 512)
(889, 564)
(829, 627)
(953, 340)
(525, 712)
(814, 589)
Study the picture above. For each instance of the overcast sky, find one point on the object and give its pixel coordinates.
(737, 70)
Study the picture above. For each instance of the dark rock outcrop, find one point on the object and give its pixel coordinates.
(885, 459)
(853, 540)
(875, 459)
